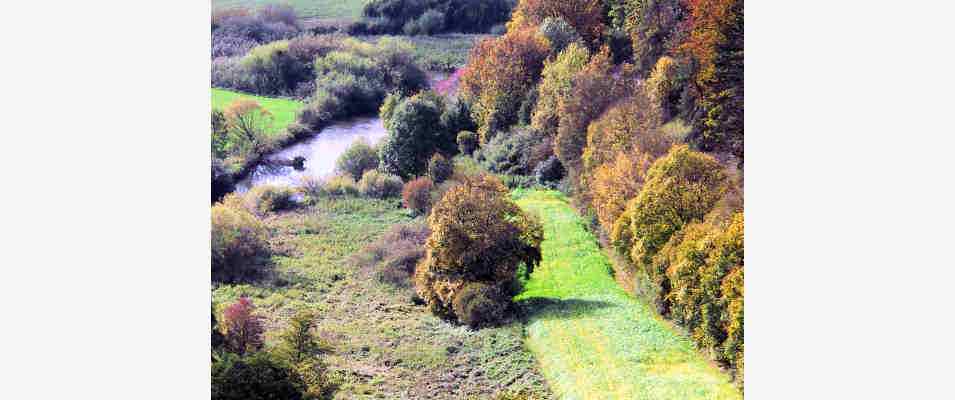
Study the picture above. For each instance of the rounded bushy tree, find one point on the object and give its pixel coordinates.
(440, 168)
(359, 157)
(479, 237)
(239, 244)
(413, 135)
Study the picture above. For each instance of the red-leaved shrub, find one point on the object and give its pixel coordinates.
(243, 328)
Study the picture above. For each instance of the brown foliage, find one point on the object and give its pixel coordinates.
(586, 16)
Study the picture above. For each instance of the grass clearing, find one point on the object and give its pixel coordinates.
(383, 345)
(593, 341)
(325, 9)
(283, 110)
(444, 53)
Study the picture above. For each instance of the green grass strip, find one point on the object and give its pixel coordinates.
(592, 339)
(283, 110)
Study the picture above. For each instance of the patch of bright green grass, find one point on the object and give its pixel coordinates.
(594, 341)
(283, 110)
(338, 9)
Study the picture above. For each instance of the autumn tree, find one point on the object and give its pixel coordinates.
(248, 125)
(556, 84)
(243, 327)
(716, 43)
(500, 73)
(479, 238)
(594, 88)
(615, 183)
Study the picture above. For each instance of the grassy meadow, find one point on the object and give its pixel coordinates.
(283, 110)
(444, 53)
(382, 345)
(593, 341)
(323, 9)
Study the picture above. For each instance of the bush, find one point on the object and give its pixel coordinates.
(549, 172)
(467, 142)
(379, 185)
(416, 195)
(357, 158)
(479, 304)
(239, 244)
(297, 343)
(429, 23)
(341, 185)
(268, 198)
(243, 328)
(439, 168)
(680, 188)
(511, 153)
(430, 17)
(393, 257)
(256, 377)
(456, 118)
(478, 235)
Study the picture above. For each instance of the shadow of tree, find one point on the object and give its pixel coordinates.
(552, 308)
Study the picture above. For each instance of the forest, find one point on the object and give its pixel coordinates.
(477, 199)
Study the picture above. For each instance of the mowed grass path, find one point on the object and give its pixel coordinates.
(593, 341)
(350, 9)
(283, 110)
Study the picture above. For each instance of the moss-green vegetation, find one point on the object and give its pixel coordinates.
(325, 9)
(283, 111)
(593, 340)
(382, 344)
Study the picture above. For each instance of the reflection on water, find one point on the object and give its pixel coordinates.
(320, 153)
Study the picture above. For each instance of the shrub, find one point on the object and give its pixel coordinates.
(480, 304)
(510, 153)
(467, 142)
(297, 343)
(256, 377)
(430, 17)
(429, 23)
(239, 244)
(341, 185)
(416, 195)
(455, 119)
(559, 33)
(379, 185)
(414, 134)
(439, 168)
(393, 257)
(478, 235)
(357, 158)
(247, 124)
(268, 198)
(680, 188)
(243, 328)
(549, 172)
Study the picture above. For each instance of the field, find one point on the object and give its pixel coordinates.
(323, 9)
(283, 110)
(382, 344)
(592, 340)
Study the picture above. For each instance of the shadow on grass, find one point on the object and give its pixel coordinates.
(551, 308)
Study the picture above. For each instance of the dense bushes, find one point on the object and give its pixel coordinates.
(357, 158)
(259, 376)
(428, 17)
(379, 185)
(355, 79)
(416, 195)
(415, 133)
(479, 237)
(513, 153)
(239, 244)
(236, 31)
